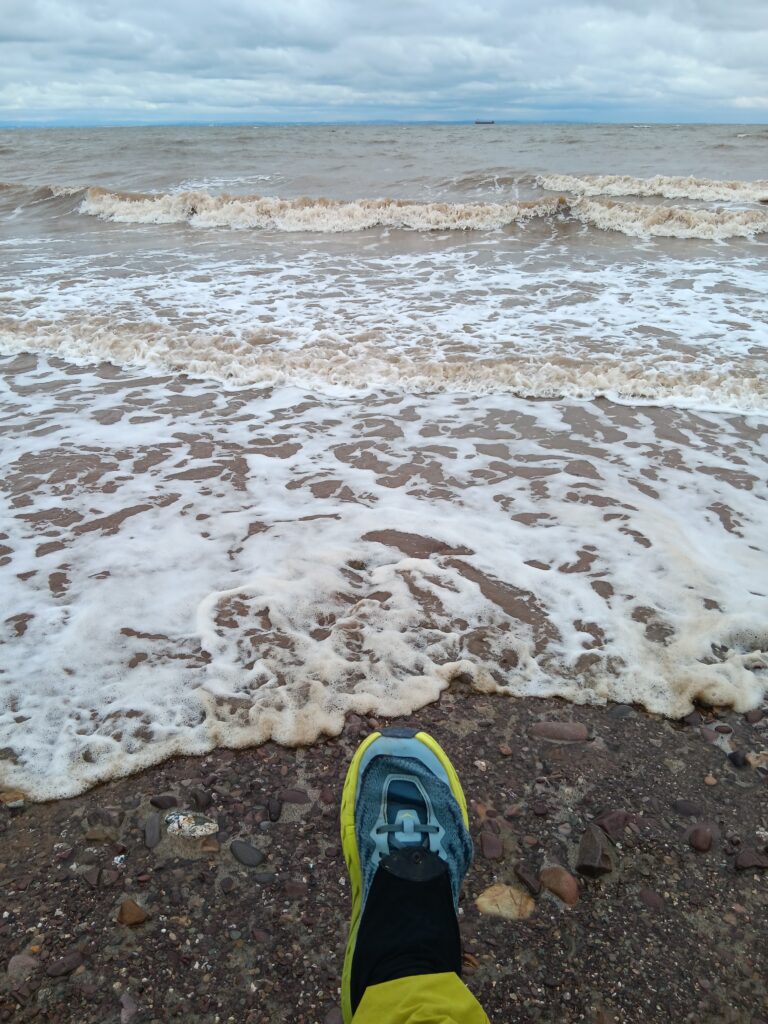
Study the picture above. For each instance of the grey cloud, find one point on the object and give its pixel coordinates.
(326, 59)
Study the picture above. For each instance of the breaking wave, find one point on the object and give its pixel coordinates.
(665, 187)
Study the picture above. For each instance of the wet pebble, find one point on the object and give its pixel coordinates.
(613, 823)
(152, 831)
(264, 877)
(562, 883)
(687, 808)
(227, 885)
(755, 715)
(275, 808)
(246, 853)
(295, 796)
(594, 859)
(295, 890)
(529, 878)
(710, 780)
(164, 801)
(750, 858)
(65, 964)
(700, 838)
(564, 732)
(738, 758)
(21, 967)
(131, 913)
(201, 800)
(651, 899)
(491, 846)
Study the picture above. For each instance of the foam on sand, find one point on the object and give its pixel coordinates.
(186, 566)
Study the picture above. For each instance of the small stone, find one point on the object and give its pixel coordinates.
(20, 968)
(700, 838)
(333, 1016)
(245, 853)
(108, 877)
(128, 1008)
(710, 780)
(694, 718)
(91, 876)
(507, 901)
(613, 823)
(259, 936)
(65, 964)
(12, 796)
(540, 809)
(275, 808)
(738, 758)
(531, 841)
(210, 845)
(724, 729)
(749, 858)
(529, 878)
(131, 913)
(651, 899)
(620, 711)
(165, 801)
(687, 808)
(227, 885)
(201, 799)
(562, 883)
(264, 877)
(295, 796)
(152, 831)
(505, 750)
(709, 734)
(190, 825)
(480, 765)
(327, 796)
(295, 890)
(593, 858)
(754, 716)
(562, 732)
(491, 846)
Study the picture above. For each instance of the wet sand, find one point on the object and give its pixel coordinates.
(668, 933)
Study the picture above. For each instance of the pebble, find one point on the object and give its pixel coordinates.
(200, 799)
(507, 901)
(327, 796)
(227, 885)
(152, 831)
(613, 823)
(738, 758)
(295, 890)
(91, 876)
(687, 808)
(621, 711)
(128, 1008)
(275, 808)
(295, 796)
(694, 718)
(21, 967)
(651, 899)
(246, 853)
(505, 750)
(190, 825)
(333, 1016)
(710, 780)
(131, 913)
(749, 858)
(264, 877)
(563, 732)
(491, 846)
(164, 802)
(529, 878)
(210, 845)
(593, 858)
(700, 838)
(755, 715)
(562, 883)
(65, 964)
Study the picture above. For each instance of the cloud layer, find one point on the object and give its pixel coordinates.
(97, 61)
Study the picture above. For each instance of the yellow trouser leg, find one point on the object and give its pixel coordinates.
(421, 999)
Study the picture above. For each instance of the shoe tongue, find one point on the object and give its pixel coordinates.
(409, 835)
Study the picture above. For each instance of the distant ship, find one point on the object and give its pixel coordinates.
(485, 122)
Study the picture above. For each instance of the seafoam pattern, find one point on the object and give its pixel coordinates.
(185, 566)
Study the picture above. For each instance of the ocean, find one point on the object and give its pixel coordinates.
(303, 421)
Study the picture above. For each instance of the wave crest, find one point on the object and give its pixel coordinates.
(662, 186)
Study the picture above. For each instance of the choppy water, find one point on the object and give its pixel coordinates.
(402, 459)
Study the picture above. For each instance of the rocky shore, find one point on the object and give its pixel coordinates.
(620, 876)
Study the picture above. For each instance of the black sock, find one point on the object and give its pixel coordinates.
(408, 927)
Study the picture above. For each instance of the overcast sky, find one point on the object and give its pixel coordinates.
(160, 61)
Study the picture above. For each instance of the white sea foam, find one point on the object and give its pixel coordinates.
(202, 210)
(667, 187)
(186, 568)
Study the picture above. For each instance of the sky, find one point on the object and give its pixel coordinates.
(201, 61)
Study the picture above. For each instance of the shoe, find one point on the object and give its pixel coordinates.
(404, 825)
